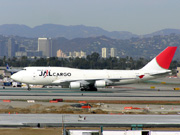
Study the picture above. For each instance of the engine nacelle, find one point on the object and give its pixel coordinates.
(75, 85)
(100, 83)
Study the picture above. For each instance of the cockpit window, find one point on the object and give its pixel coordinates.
(24, 69)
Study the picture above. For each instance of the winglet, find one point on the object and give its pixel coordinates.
(165, 57)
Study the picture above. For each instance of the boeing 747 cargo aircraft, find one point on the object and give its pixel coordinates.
(92, 79)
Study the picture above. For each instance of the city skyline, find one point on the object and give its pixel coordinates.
(139, 16)
(135, 47)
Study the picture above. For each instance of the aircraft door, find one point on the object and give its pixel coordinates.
(34, 75)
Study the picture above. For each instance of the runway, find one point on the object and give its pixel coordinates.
(92, 120)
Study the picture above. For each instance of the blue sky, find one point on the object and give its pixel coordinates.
(136, 16)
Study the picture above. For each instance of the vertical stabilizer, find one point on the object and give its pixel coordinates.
(161, 61)
(7, 66)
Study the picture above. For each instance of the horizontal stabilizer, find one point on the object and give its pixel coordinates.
(160, 72)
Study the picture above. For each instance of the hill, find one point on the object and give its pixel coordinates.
(54, 30)
(135, 47)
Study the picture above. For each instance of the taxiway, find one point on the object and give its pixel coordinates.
(143, 91)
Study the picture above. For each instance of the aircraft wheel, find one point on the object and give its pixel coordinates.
(93, 89)
(28, 88)
(82, 89)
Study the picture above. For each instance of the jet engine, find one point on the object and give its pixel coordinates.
(100, 83)
(75, 85)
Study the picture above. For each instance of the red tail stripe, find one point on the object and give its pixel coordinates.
(164, 58)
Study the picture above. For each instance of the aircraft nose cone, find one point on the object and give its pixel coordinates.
(14, 77)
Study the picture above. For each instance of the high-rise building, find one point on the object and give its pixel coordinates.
(105, 52)
(61, 54)
(11, 47)
(113, 52)
(3, 48)
(45, 45)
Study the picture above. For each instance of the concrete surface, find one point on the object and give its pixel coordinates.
(91, 120)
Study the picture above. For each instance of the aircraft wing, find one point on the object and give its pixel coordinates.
(89, 81)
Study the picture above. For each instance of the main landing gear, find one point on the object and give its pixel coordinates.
(88, 88)
(29, 88)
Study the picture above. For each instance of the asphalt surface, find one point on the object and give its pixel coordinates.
(24, 120)
(162, 89)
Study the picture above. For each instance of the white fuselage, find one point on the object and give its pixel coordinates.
(56, 75)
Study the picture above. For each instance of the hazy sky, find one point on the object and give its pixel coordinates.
(136, 16)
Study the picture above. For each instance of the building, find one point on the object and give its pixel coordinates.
(32, 54)
(20, 54)
(3, 50)
(61, 54)
(29, 53)
(82, 54)
(45, 45)
(75, 54)
(113, 52)
(12, 47)
(105, 53)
